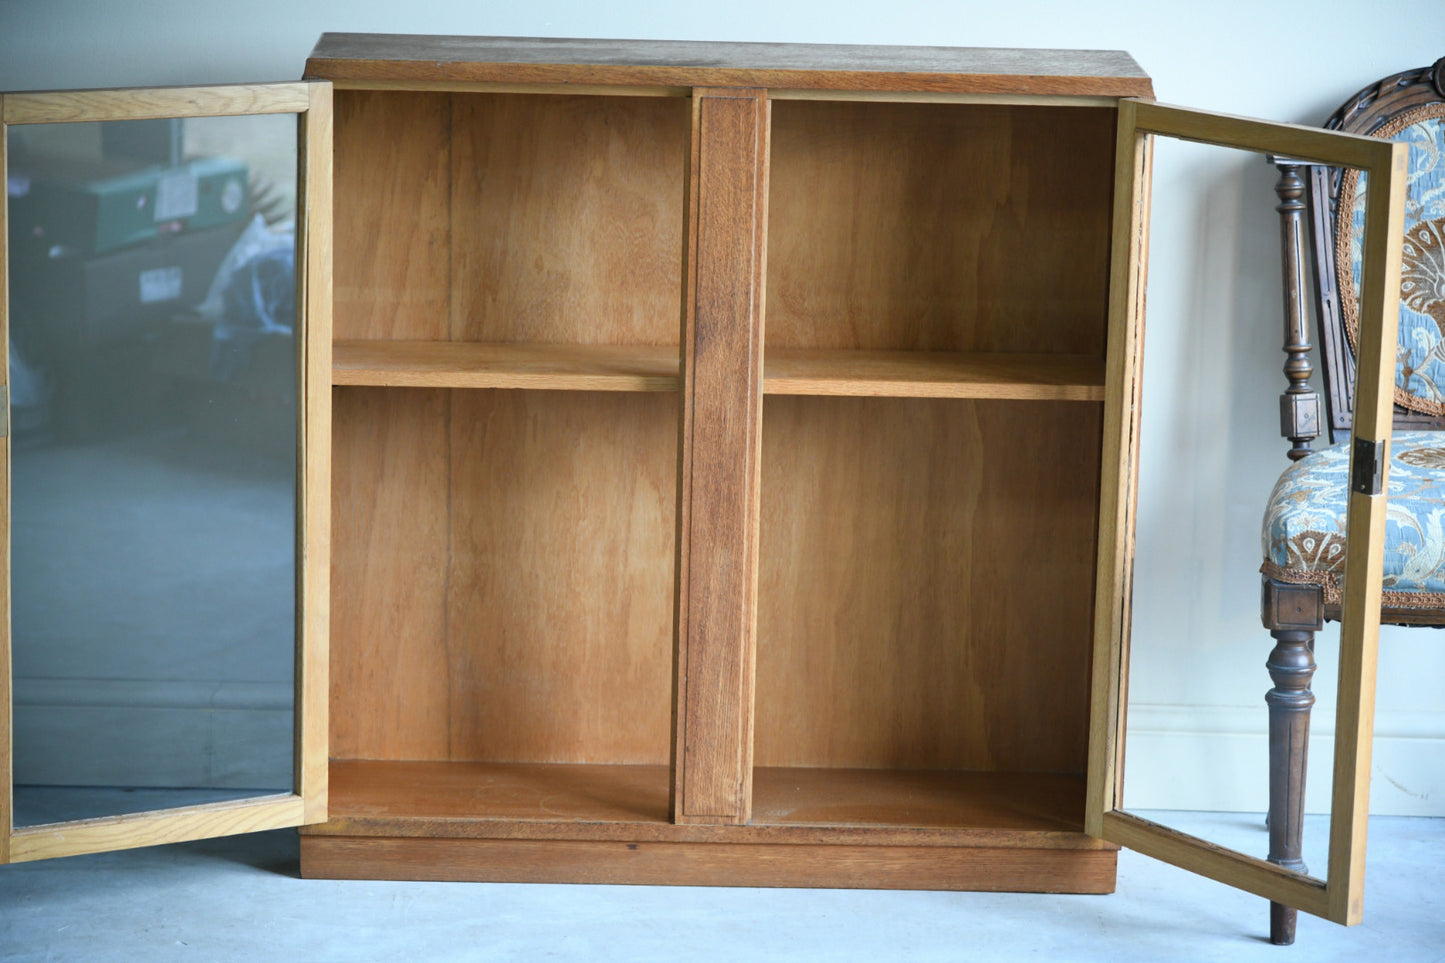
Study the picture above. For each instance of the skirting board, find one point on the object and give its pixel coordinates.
(709, 864)
(1216, 758)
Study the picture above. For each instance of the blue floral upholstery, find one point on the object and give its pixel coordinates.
(1304, 524)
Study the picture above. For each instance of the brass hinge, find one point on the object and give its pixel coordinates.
(1367, 468)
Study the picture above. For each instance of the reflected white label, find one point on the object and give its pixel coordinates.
(176, 195)
(160, 284)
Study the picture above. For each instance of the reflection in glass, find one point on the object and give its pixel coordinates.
(153, 405)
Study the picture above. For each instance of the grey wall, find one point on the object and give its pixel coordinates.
(1211, 450)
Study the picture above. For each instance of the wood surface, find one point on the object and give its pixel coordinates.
(946, 97)
(898, 537)
(75, 106)
(722, 349)
(1364, 570)
(462, 364)
(132, 831)
(313, 458)
(389, 570)
(567, 218)
(709, 864)
(1119, 475)
(796, 371)
(1295, 141)
(946, 800)
(501, 572)
(393, 217)
(500, 557)
(1216, 862)
(932, 374)
(915, 227)
(630, 802)
(361, 58)
(509, 218)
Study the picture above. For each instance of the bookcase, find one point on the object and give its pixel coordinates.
(716, 465)
(861, 656)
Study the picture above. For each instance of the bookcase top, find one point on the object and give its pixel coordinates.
(362, 60)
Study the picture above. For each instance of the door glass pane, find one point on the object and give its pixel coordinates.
(1218, 501)
(153, 360)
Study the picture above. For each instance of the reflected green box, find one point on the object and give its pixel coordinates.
(91, 207)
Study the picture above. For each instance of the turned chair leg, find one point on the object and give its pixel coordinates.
(1292, 613)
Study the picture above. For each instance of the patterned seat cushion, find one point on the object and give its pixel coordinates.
(1304, 524)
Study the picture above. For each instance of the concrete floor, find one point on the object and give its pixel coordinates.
(240, 899)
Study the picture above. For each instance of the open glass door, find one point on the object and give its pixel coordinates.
(165, 300)
(1145, 535)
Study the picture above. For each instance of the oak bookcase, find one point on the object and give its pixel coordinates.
(631, 585)
(724, 458)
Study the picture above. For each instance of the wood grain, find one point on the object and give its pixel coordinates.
(947, 97)
(722, 339)
(709, 864)
(932, 374)
(314, 255)
(390, 545)
(363, 57)
(154, 829)
(566, 218)
(1219, 864)
(916, 227)
(501, 574)
(874, 807)
(1123, 387)
(393, 215)
(920, 799)
(75, 106)
(463, 364)
(798, 371)
(558, 602)
(891, 632)
(1265, 137)
(1364, 570)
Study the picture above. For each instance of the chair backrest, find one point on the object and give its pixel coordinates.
(1408, 107)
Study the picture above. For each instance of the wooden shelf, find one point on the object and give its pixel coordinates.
(927, 799)
(540, 801)
(513, 822)
(933, 374)
(463, 364)
(787, 371)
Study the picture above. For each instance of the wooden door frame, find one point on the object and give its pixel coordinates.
(311, 102)
(1339, 896)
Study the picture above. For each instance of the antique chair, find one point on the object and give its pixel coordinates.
(1303, 534)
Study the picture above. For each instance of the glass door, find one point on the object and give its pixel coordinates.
(1181, 503)
(166, 464)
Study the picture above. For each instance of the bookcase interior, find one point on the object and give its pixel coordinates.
(503, 559)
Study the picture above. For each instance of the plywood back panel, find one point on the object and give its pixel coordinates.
(536, 624)
(567, 218)
(392, 218)
(939, 227)
(926, 583)
(560, 597)
(389, 547)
